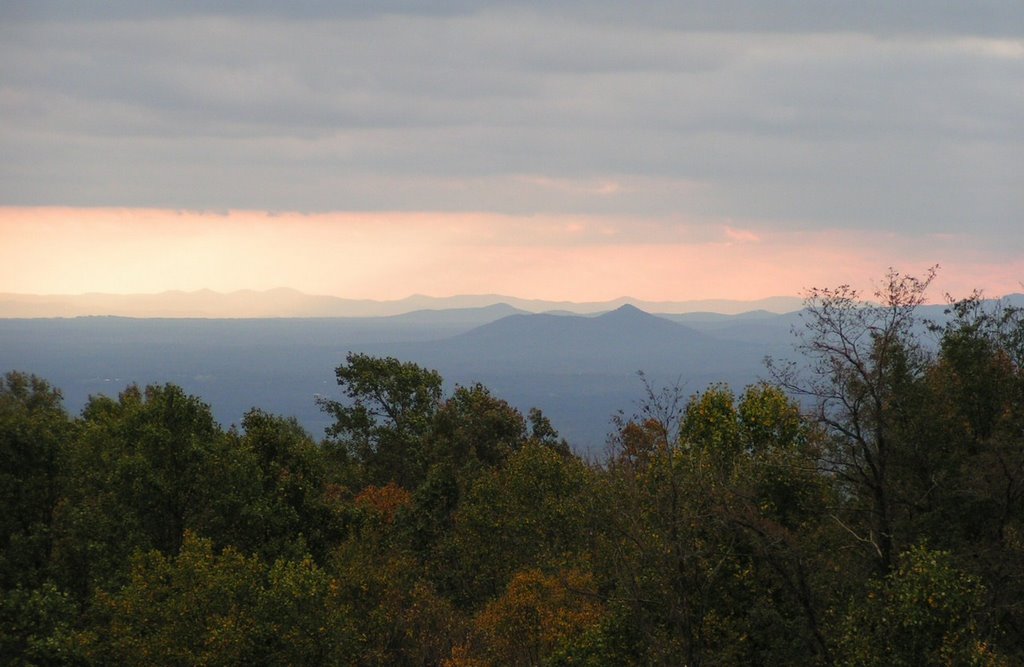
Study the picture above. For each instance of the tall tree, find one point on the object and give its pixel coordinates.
(385, 421)
(863, 358)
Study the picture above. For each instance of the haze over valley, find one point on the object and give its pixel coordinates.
(580, 369)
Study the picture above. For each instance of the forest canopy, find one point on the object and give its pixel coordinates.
(864, 507)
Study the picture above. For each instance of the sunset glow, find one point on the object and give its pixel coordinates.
(390, 255)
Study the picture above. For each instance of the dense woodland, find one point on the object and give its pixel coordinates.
(863, 508)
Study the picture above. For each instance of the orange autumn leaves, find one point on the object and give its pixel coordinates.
(384, 501)
(535, 616)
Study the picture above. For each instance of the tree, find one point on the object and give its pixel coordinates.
(863, 362)
(537, 510)
(977, 389)
(971, 453)
(925, 612)
(712, 546)
(535, 617)
(284, 509)
(34, 430)
(399, 617)
(756, 460)
(37, 626)
(475, 427)
(385, 423)
(144, 468)
(226, 608)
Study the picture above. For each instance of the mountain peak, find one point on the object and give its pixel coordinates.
(626, 311)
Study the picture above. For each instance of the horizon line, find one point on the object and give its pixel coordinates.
(623, 298)
(413, 295)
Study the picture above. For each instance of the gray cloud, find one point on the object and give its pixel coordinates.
(856, 115)
(981, 17)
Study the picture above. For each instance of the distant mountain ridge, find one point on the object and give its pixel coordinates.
(621, 341)
(286, 302)
(625, 326)
(579, 369)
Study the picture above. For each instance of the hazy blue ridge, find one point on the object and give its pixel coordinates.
(578, 369)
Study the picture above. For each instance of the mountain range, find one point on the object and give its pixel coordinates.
(580, 369)
(284, 302)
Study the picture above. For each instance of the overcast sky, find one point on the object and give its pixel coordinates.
(557, 149)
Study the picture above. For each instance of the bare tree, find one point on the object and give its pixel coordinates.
(861, 358)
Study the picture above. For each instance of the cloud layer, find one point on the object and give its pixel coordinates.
(667, 121)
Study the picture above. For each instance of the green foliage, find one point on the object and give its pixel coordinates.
(143, 469)
(542, 431)
(973, 433)
(429, 520)
(34, 429)
(202, 607)
(769, 421)
(37, 626)
(286, 506)
(711, 424)
(475, 428)
(712, 538)
(611, 640)
(927, 612)
(537, 510)
(390, 410)
(399, 617)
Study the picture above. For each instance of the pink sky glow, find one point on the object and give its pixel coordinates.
(383, 255)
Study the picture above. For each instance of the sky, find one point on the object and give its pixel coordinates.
(558, 150)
